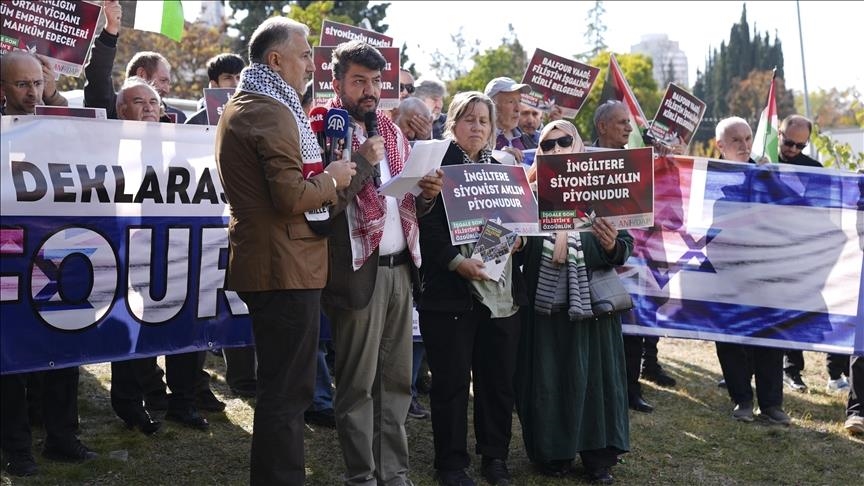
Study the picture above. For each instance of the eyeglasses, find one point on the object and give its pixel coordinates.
(563, 142)
(406, 87)
(28, 84)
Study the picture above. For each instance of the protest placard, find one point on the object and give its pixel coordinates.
(94, 113)
(556, 80)
(322, 88)
(476, 193)
(215, 100)
(493, 249)
(63, 31)
(677, 118)
(573, 189)
(334, 33)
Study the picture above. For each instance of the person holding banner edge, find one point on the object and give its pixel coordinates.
(612, 128)
(571, 381)
(470, 325)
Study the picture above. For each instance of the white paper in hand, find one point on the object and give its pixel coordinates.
(425, 157)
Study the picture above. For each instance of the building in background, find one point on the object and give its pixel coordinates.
(213, 14)
(670, 62)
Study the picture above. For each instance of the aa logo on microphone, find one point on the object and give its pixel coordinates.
(336, 123)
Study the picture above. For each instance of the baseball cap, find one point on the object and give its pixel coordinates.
(505, 85)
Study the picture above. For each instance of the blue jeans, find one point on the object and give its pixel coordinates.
(418, 352)
(323, 398)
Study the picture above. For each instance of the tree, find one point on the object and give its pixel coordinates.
(452, 65)
(726, 68)
(307, 12)
(833, 108)
(638, 70)
(187, 59)
(509, 59)
(404, 62)
(751, 94)
(594, 31)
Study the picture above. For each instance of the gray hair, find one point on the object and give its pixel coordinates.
(461, 105)
(132, 82)
(429, 87)
(412, 105)
(726, 123)
(604, 111)
(270, 34)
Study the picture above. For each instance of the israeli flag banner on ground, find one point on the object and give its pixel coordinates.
(768, 255)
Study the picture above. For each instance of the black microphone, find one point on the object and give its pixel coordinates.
(370, 119)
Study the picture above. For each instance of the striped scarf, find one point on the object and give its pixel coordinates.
(366, 217)
(578, 294)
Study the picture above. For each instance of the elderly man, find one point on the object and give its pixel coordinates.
(740, 362)
(374, 261)
(24, 82)
(612, 127)
(410, 109)
(507, 95)
(433, 91)
(264, 144)
(152, 66)
(530, 121)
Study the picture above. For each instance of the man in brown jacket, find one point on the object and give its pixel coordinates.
(265, 152)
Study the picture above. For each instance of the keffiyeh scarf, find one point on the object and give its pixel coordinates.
(260, 79)
(366, 221)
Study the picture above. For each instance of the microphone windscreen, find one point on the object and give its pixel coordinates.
(316, 119)
(336, 123)
(370, 119)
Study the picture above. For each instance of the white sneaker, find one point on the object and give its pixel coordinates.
(855, 424)
(838, 385)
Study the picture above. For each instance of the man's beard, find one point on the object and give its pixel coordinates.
(356, 111)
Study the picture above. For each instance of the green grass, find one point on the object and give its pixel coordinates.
(689, 439)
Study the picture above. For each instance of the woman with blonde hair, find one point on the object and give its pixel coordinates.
(571, 383)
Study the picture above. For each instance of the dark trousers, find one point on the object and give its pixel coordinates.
(240, 367)
(599, 458)
(132, 379)
(740, 362)
(837, 365)
(285, 325)
(855, 405)
(459, 347)
(633, 364)
(59, 408)
(793, 362)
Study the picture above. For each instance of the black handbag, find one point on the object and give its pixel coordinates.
(608, 294)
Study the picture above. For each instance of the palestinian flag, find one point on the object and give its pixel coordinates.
(163, 17)
(616, 88)
(766, 142)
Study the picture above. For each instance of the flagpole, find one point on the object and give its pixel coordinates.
(803, 69)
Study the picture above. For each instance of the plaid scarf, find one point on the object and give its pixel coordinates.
(260, 79)
(366, 216)
(578, 293)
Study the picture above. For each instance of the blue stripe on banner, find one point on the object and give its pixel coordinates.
(782, 185)
(733, 322)
(80, 290)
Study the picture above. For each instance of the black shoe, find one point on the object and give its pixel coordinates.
(206, 400)
(137, 417)
(156, 402)
(244, 391)
(555, 469)
(659, 377)
(600, 476)
(640, 405)
(70, 451)
(495, 471)
(454, 478)
(20, 463)
(189, 418)
(417, 411)
(324, 418)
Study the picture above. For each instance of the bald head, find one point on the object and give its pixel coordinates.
(22, 82)
(407, 109)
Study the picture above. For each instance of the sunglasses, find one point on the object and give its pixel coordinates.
(406, 87)
(790, 144)
(562, 142)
